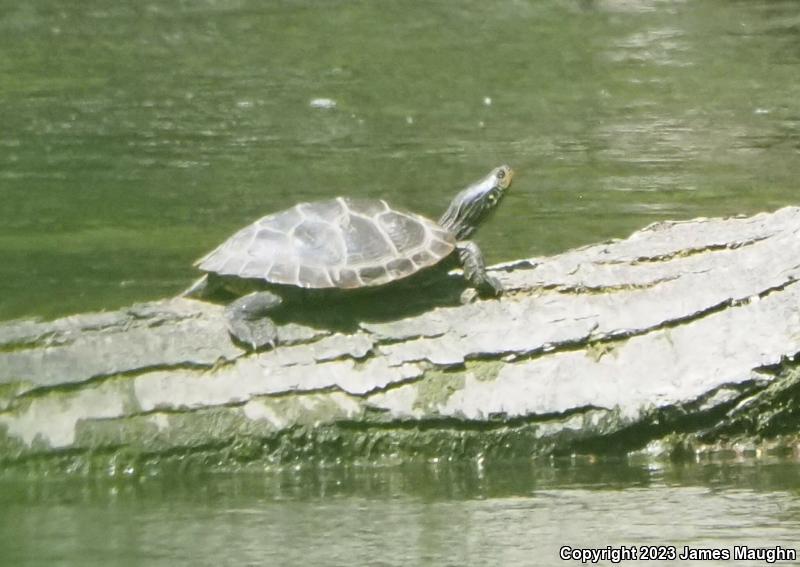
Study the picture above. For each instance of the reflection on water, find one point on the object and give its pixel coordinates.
(136, 136)
(516, 514)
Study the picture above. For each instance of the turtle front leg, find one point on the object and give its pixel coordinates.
(474, 267)
(248, 323)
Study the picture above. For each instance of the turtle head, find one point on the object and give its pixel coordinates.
(472, 205)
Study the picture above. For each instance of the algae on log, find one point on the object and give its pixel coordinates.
(684, 331)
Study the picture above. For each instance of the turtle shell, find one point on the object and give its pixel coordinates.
(339, 243)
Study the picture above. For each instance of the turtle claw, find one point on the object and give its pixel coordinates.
(248, 324)
(255, 335)
(493, 286)
(469, 295)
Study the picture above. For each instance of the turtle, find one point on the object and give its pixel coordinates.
(342, 244)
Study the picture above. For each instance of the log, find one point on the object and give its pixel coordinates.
(679, 340)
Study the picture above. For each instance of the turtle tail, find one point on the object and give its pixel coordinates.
(197, 289)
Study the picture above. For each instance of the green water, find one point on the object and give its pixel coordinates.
(520, 514)
(135, 136)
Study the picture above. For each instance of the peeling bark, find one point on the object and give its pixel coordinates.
(684, 332)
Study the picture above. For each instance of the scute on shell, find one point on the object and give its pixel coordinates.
(341, 242)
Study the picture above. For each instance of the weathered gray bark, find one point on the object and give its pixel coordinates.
(684, 332)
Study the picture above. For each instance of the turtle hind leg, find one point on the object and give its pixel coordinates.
(471, 259)
(248, 323)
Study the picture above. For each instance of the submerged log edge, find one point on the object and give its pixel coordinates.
(677, 341)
